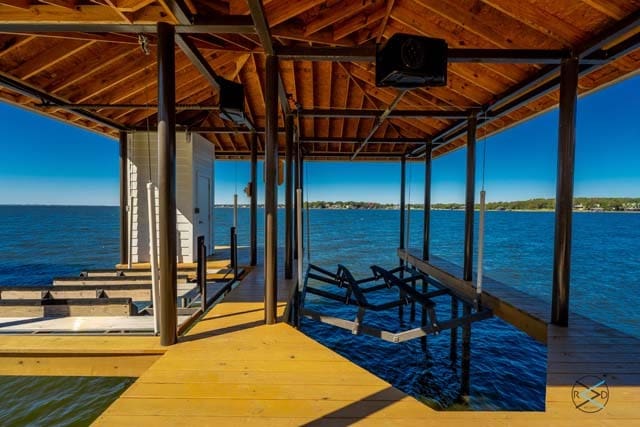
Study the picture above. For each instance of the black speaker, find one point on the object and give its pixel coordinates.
(231, 100)
(407, 61)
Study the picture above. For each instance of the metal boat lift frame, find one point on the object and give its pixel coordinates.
(355, 295)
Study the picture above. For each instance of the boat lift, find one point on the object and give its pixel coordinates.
(354, 292)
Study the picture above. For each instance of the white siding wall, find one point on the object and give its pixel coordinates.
(203, 163)
(140, 153)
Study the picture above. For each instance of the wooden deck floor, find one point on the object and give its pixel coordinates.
(231, 369)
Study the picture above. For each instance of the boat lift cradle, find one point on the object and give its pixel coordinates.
(355, 295)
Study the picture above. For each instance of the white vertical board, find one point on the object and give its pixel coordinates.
(142, 153)
(203, 164)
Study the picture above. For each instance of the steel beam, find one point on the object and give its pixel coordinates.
(124, 200)
(408, 114)
(368, 54)
(264, 34)
(254, 200)
(379, 122)
(198, 61)
(231, 24)
(547, 79)
(25, 89)
(564, 192)
(167, 183)
(179, 107)
(288, 200)
(338, 140)
(271, 193)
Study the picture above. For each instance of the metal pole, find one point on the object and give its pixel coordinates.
(300, 257)
(403, 184)
(124, 181)
(167, 182)
(254, 199)
(468, 248)
(426, 222)
(470, 198)
(202, 272)
(426, 230)
(288, 200)
(301, 158)
(564, 191)
(296, 185)
(271, 194)
(153, 255)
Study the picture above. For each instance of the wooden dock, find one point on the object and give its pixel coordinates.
(232, 369)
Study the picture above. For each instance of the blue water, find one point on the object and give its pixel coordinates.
(508, 367)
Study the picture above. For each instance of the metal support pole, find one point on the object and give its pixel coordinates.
(301, 187)
(124, 181)
(296, 196)
(167, 182)
(468, 248)
(426, 222)
(271, 194)
(202, 272)
(403, 184)
(465, 375)
(254, 199)
(426, 230)
(288, 200)
(470, 198)
(564, 191)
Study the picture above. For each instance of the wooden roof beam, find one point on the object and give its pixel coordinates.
(335, 13)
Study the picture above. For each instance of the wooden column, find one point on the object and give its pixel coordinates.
(271, 193)
(253, 234)
(288, 200)
(167, 182)
(124, 200)
(564, 191)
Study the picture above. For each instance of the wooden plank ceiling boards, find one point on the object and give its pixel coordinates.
(504, 56)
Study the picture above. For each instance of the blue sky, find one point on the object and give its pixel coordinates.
(47, 162)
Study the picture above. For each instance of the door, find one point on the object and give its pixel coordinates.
(203, 215)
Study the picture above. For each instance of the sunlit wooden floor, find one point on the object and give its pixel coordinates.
(231, 369)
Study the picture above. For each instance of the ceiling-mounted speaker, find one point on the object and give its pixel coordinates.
(231, 101)
(407, 61)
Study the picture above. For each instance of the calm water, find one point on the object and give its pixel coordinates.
(507, 370)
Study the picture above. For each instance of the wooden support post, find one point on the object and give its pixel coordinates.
(426, 229)
(254, 200)
(124, 200)
(271, 193)
(167, 182)
(564, 191)
(288, 199)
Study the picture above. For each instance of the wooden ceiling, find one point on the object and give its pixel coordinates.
(110, 68)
